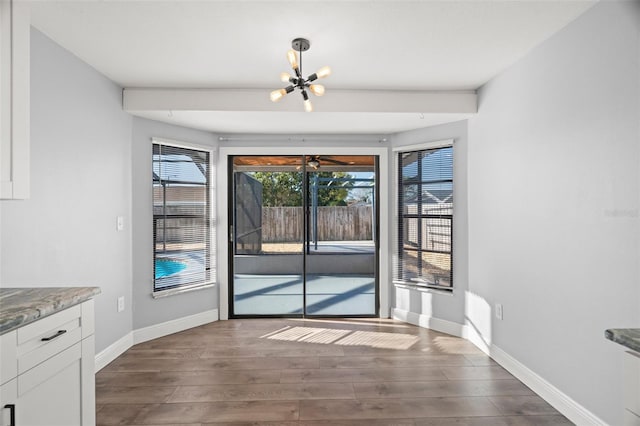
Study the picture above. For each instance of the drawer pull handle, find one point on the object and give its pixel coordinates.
(12, 413)
(58, 334)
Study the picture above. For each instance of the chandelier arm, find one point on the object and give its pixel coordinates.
(301, 45)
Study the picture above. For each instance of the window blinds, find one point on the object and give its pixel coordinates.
(425, 218)
(182, 217)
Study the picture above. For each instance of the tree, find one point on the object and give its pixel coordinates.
(331, 188)
(280, 189)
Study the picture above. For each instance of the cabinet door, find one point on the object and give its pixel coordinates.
(8, 399)
(5, 99)
(50, 393)
(632, 380)
(14, 99)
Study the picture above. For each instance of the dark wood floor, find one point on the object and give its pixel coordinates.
(313, 372)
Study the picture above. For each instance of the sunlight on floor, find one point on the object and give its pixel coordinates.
(454, 345)
(358, 321)
(373, 339)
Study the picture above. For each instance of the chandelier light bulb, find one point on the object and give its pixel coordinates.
(323, 72)
(284, 77)
(295, 81)
(317, 89)
(276, 95)
(293, 59)
(307, 106)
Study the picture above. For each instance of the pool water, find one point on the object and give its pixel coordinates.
(168, 267)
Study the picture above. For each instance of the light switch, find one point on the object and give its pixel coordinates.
(120, 223)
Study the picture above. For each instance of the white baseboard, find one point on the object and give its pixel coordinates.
(421, 320)
(113, 351)
(474, 336)
(152, 332)
(554, 396)
(180, 324)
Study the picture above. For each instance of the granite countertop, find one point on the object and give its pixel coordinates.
(20, 306)
(628, 337)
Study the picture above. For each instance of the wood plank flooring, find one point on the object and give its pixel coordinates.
(350, 372)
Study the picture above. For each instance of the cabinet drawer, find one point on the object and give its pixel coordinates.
(46, 349)
(43, 326)
(48, 369)
(47, 337)
(8, 357)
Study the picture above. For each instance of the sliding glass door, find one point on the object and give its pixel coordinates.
(340, 248)
(303, 236)
(267, 237)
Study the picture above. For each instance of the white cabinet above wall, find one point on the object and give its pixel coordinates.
(14, 99)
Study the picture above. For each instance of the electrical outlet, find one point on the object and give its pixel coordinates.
(499, 311)
(120, 303)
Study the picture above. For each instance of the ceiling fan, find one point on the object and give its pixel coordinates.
(315, 161)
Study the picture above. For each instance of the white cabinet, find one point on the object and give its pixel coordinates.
(50, 393)
(8, 399)
(14, 99)
(632, 391)
(54, 382)
(8, 377)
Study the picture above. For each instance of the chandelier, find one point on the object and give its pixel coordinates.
(297, 81)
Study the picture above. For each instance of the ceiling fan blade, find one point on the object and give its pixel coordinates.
(331, 160)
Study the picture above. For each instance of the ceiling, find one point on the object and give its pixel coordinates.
(389, 45)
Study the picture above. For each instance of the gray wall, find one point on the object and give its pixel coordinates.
(553, 194)
(147, 310)
(449, 307)
(65, 234)
(83, 151)
(553, 205)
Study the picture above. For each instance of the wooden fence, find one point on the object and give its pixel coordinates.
(285, 224)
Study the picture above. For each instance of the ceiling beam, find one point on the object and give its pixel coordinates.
(384, 101)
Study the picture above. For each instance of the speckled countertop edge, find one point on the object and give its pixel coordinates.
(627, 337)
(21, 306)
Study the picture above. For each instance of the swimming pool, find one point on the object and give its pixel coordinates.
(168, 267)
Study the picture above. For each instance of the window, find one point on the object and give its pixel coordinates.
(183, 225)
(425, 218)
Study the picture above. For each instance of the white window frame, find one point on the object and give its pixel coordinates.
(213, 266)
(397, 151)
